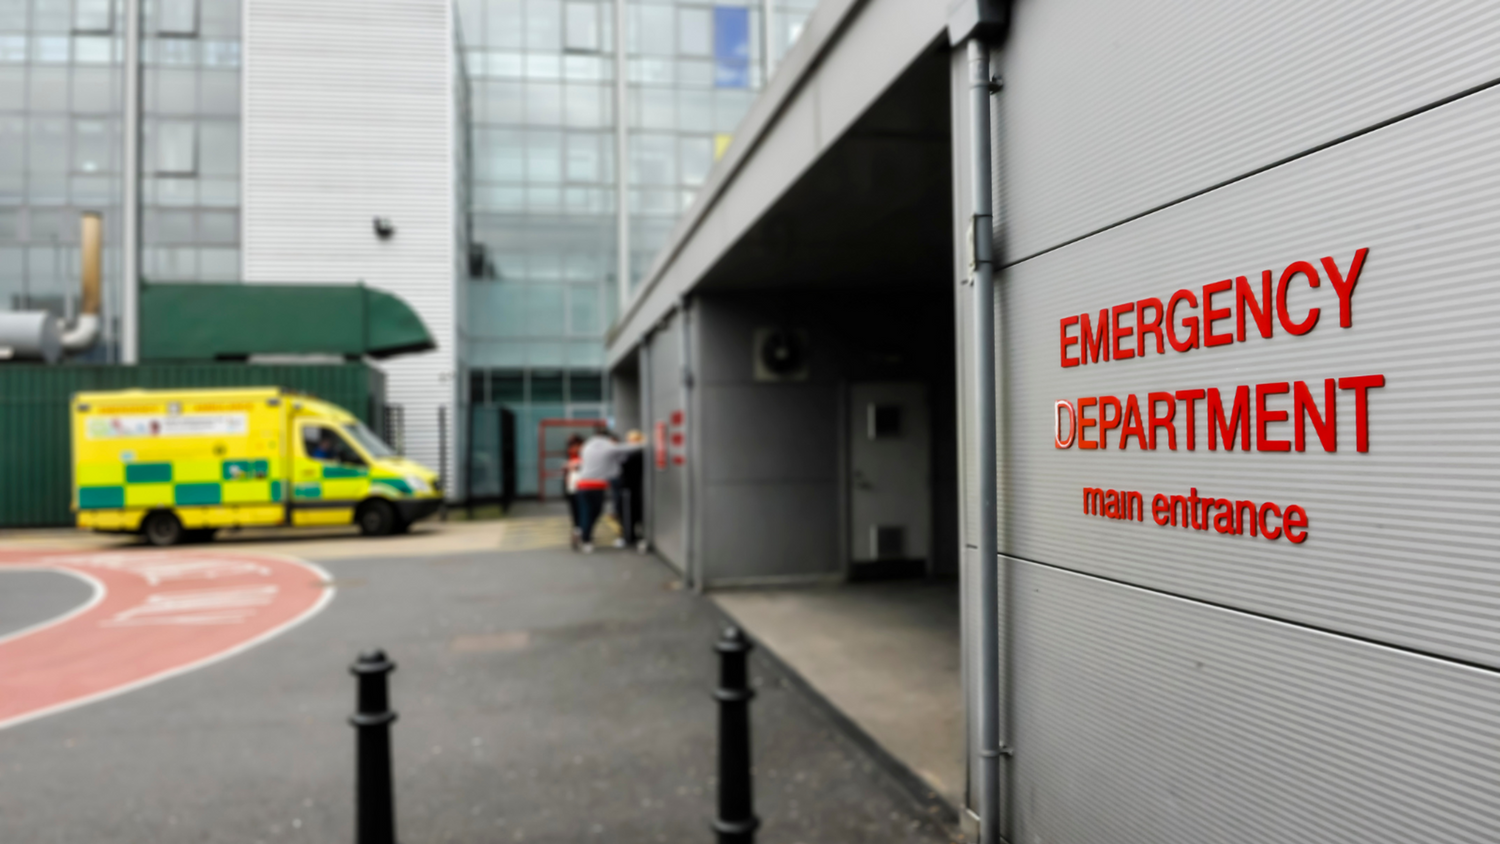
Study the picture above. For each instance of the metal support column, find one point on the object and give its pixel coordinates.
(622, 160)
(130, 200)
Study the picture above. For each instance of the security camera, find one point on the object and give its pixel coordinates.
(384, 228)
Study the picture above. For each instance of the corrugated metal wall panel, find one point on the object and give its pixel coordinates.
(1153, 720)
(349, 116)
(1120, 107)
(1402, 541)
(35, 445)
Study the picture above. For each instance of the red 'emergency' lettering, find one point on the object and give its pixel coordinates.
(1103, 337)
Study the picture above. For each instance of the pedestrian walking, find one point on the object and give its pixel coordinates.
(599, 464)
(630, 496)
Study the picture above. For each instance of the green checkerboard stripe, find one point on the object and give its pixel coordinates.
(101, 497)
(148, 473)
(188, 495)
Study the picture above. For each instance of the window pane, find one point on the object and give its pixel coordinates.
(49, 145)
(499, 154)
(176, 92)
(657, 35)
(176, 148)
(503, 24)
(694, 31)
(546, 387)
(658, 108)
(507, 386)
(92, 16)
(731, 47)
(502, 102)
(652, 159)
(219, 153)
(93, 90)
(583, 310)
(92, 146)
(49, 89)
(12, 144)
(544, 156)
(695, 111)
(219, 19)
(582, 21)
(543, 103)
(219, 92)
(697, 158)
(585, 105)
(583, 158)
(219, 227)
(585, 386)
(476, 387)
(12, 88)
(177, 17)
(544, 307)
(543, 26)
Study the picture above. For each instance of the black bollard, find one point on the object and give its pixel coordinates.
(375, 801)
(736, 822)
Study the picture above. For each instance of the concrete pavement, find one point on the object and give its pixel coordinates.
(544, 696)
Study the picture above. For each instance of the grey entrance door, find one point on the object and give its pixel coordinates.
(889, 480)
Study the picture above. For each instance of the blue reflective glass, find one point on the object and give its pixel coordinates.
(731, 47)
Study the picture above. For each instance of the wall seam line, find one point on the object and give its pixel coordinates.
(1313, 150)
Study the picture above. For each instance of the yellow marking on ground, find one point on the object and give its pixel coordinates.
(534, 533)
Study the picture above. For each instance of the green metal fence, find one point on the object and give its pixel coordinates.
(35, 470)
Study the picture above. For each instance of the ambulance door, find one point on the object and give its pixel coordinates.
(329, 477)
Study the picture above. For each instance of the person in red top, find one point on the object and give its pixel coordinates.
(570, 484)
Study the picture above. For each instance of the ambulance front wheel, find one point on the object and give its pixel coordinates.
(377, 518)
(162, 529)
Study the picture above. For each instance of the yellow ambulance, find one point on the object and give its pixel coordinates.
(177, 465)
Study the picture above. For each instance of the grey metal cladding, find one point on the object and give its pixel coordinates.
(667, 484)
(1112, 109)
(1148, 719)
(1403, 541)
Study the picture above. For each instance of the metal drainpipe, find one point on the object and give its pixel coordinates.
(691, 565)
(981, 232)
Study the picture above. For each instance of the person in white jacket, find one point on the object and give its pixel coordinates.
(599, 463)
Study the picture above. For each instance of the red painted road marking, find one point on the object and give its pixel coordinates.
(154, 615)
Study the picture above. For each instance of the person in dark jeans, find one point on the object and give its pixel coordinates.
(599, 464)
(630, 495)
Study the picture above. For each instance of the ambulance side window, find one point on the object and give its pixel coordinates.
(325, 444)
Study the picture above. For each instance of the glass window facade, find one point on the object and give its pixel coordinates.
(546, 179)
(61, 91)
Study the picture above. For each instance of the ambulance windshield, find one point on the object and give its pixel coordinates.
(367, 440)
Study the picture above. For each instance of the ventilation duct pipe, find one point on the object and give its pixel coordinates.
(29, 335)
(85, 329)
(38, 335)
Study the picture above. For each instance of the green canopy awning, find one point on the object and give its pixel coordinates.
(235, 321)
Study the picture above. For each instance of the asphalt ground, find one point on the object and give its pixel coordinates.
(29, 598)
(543, 696)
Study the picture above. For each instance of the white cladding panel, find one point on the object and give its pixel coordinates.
(1166, 721)
(348, 116)
(1112, 109)
(1402, 543)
